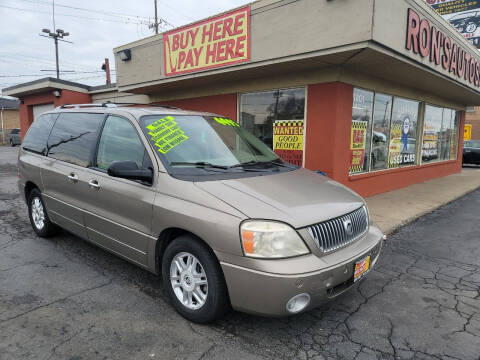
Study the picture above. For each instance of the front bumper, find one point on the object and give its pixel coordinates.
(266, 293)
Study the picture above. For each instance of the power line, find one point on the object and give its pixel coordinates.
(65, 74)
(126, 21)
(109, 13)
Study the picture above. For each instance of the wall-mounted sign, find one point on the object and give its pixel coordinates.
(358, 139)
(427, 41)
(464, 15)
(220, 41)
(467, 132)
(288, 140)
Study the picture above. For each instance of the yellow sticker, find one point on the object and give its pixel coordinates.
(166, 134)
(226, 122)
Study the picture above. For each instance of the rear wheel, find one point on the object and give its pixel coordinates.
(37, 212)
(11, 143)
(194, 280)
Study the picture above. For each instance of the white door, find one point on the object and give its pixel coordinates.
(40, 109)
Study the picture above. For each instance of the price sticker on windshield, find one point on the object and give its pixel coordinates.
(166, 134)
(226, 122)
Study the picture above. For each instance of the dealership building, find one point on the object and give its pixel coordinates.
(373, 93)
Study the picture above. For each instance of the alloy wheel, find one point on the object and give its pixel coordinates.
(38, 213)
(189, 280)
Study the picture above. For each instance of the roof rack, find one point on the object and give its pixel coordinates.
(152, 105)
(79, 106)
(109, 104)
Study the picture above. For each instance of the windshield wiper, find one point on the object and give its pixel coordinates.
(253, 162)
(200, 164)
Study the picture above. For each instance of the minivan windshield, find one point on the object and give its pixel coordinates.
(208, 142)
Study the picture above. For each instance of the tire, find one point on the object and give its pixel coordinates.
(191, 282)
(37, 213)
(11, 143)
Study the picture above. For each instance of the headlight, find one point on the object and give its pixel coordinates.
(269, 239)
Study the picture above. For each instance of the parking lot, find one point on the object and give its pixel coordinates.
(63, 298)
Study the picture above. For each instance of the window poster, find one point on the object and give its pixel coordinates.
(288, 140)
(358, 141)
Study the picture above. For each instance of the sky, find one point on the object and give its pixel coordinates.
(95, 28)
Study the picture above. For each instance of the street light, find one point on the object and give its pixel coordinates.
(59, 34)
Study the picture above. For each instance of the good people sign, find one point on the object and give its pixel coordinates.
(424, 39)
(220, 41)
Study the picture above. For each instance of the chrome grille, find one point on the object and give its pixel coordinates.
(332, 234)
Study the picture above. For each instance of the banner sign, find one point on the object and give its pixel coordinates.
(220, 41)
(358, 139)
(288, 140)
(462, 14)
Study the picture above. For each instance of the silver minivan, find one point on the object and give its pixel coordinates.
(198, 199)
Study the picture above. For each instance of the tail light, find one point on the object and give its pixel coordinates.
(18, 172)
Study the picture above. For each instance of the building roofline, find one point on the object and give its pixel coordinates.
(49, 83)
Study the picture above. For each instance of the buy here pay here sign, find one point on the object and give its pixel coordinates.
(219, 41)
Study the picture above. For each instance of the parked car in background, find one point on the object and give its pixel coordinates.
(197, 198)
(14, 137)
(471, 152)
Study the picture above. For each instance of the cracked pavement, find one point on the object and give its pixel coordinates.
(63, 298)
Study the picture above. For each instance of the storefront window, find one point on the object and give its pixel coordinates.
(381, 131)
(403, 133)
(392, 138)
(432, 134)
(440, 134)
(360, 130)
(454, 137)
(276, 117)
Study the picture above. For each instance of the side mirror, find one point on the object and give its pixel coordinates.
(129, 170)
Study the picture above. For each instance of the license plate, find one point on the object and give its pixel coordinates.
(362, 267)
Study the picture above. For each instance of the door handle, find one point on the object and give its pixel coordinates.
(93, 184)
(73, 177)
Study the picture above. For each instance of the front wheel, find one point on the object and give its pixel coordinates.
(41, 224)
(11, 143)
(194, 280)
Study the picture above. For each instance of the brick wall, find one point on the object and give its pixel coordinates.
(473, 118)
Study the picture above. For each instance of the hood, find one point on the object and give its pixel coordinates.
(299, 198)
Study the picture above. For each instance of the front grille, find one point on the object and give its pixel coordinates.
(332, 234)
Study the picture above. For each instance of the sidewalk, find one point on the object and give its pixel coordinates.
(396, 208)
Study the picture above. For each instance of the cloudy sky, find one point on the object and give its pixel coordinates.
(95, 28)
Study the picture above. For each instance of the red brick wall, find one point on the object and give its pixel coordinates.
(473, 118)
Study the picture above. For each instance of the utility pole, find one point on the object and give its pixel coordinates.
(59, 34)
(106, 68)
(156, 18)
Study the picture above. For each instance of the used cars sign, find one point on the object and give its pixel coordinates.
(219, 41)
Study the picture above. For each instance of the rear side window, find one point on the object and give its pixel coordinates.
(74, 137)
(37, 135)
(119, 142)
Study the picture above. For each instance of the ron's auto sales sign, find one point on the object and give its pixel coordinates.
(219, 41)
(429, 42)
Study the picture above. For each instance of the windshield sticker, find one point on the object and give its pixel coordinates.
(226, 122)
(166, 134)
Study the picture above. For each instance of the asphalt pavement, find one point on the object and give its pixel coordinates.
(63, 298)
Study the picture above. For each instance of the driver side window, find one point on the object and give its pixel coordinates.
(119, 142)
